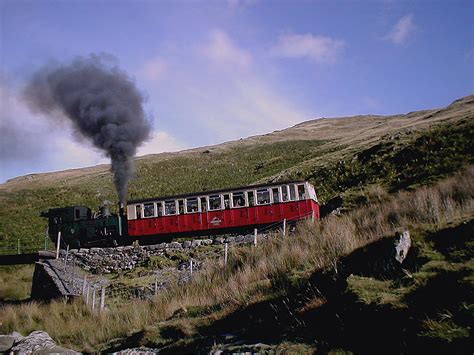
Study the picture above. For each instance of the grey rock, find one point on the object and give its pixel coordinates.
(17, 336)
(196, 243)
(219, 240)
(34, 342)
(207, 241)
(57, 350)
(402, 245)
(6, 342)
(175, 245)
(230, 240)
(240, 239)
(187, 244)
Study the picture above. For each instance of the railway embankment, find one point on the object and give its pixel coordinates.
(133, 271)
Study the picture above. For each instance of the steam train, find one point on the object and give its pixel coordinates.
(203, 213)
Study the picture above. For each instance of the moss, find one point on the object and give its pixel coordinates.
(444, 328)
(373, 291)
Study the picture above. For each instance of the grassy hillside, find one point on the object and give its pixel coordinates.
(330, 286)
(339, 155)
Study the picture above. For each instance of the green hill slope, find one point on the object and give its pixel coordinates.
(339, 155)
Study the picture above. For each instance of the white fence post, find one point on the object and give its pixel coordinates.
(93, 299)
(255, 232)
(102, 299)
(191, 266)
(84, 282)
(284, 227)
(312, 216)
(156, 285)
(87, 293)
(58, 242)
(225, 254)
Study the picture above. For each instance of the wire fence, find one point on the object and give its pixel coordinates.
(100, 292)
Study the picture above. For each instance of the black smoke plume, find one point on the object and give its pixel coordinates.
(103, 104)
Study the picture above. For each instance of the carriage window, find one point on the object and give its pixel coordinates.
(170, 207)
(138, 208)
(203, 204)
(215, 203)
(238, 199)
(191, 205)
(276, 195)
(284, 193)
(181, 206)
(292, 192)
(149, 210)
(251, 198)
(301, 194)
(160, 209)
(226, 201)
(263, 197)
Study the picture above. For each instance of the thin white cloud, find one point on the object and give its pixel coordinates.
(223, 52)
(314, 47)
(161, 142)
(241, 3)
(153, 69)
(402, 30)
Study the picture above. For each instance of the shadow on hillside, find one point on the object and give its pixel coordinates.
(324, 314)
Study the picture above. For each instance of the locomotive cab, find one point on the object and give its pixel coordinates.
(80, 228)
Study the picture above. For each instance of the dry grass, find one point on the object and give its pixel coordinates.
(15, 282)
(253, 274)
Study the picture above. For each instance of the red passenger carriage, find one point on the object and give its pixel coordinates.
(222, 211)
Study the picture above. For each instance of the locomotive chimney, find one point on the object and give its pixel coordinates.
(121, 209)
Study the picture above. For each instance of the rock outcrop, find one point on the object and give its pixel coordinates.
(36, 342)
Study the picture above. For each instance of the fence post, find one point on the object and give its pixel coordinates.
(312, 216)
(58, 242)
(93, 298)
(18, 245)
(84, 282)
(255, 232)
(225, 254)
(284, 227)
(102, 299)
(156, 285)
(191, 266)
(65, 258)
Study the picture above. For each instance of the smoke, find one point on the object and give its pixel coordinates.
(103, 104)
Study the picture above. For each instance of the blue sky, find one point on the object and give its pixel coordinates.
(214, 71)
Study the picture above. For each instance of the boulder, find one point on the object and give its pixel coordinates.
(36, 341)
(6, 343)
(402, 244)
(175, 245)
(219, 240)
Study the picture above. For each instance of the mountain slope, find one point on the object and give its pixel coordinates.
(339, 155)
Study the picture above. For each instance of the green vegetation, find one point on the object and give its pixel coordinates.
(399, 164)
(15, 282)
(328, 287)
(328, 276)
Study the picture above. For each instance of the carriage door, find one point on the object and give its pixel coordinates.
(276, 207)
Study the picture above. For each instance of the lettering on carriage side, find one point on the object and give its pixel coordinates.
(216, 221)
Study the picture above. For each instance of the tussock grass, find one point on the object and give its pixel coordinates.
(15, 282)
(253, 274)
